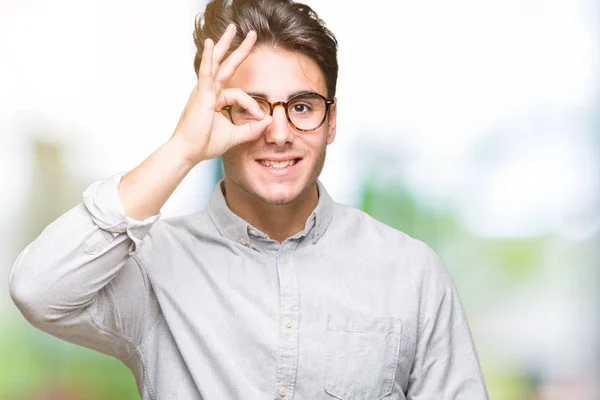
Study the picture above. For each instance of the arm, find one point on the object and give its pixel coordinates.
(446, 364)
(78, 272)
(202, 133)
(77, 280)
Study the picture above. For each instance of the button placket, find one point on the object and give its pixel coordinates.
(289, 308)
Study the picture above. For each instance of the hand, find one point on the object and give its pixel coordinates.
(203, 130)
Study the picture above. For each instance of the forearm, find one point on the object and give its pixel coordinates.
(145, 189)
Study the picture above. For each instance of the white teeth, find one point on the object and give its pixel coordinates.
(277, 164)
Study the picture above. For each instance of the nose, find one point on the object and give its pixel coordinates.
(280, 131)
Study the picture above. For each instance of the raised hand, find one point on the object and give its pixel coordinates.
(204, 130)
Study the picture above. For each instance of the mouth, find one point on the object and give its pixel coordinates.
(279, 166)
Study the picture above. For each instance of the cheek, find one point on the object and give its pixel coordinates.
(318, 143)
(315, 139)
(237, 154)
(232, 161)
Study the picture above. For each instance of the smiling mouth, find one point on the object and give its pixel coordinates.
(279, 164)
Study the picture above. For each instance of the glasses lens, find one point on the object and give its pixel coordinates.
(307, 112)
(241, 116)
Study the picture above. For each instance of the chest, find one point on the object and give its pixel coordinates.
(319, 322)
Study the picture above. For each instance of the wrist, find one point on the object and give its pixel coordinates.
(181, 151)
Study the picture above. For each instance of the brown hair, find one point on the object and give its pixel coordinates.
(278, 23)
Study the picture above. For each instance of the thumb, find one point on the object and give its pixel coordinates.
(252, 130)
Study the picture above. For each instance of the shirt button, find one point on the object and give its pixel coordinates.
(244, 241)
(283, 392)
(284, 260)
(253, 232)
(289, 323)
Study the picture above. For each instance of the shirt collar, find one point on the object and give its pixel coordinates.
(235, 228)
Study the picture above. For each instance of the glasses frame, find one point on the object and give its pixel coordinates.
(284, 104)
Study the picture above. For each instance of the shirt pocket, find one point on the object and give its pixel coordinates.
(362, 356)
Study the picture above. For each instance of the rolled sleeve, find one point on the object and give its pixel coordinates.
(103, 202)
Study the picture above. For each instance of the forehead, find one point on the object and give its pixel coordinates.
(278, 73)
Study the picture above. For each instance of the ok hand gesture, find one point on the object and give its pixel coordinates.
(204, 130)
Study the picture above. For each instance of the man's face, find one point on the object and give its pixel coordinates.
(277, 75)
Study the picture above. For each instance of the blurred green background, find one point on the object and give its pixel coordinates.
(472, 125)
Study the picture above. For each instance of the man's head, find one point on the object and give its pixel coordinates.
(294, 52)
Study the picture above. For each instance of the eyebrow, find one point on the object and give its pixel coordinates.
(264, 96)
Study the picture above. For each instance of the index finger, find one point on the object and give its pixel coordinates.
(228, 67)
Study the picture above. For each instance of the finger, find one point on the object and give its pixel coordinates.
(222, 46)
(228, 67)
(205, 69)
(250, 131)
(237, 96)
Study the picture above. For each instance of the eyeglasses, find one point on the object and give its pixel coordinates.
(305, 112)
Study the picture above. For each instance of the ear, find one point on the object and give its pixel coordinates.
(332, 122)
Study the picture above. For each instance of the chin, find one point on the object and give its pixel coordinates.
(277, 194)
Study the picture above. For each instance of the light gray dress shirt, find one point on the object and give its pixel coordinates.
(208, 307)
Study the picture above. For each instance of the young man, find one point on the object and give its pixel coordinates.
(274, 291)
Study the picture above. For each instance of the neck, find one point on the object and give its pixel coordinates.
(278, 221)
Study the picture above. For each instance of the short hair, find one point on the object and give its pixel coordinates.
(278, 23)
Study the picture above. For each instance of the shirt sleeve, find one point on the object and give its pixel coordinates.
(446, 364)
(102, 201)
(78, 281)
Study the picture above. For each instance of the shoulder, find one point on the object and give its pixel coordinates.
(178, 228)
(357, 225)
(390, 245)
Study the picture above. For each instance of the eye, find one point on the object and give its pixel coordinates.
(300, 108)
(305, 105)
